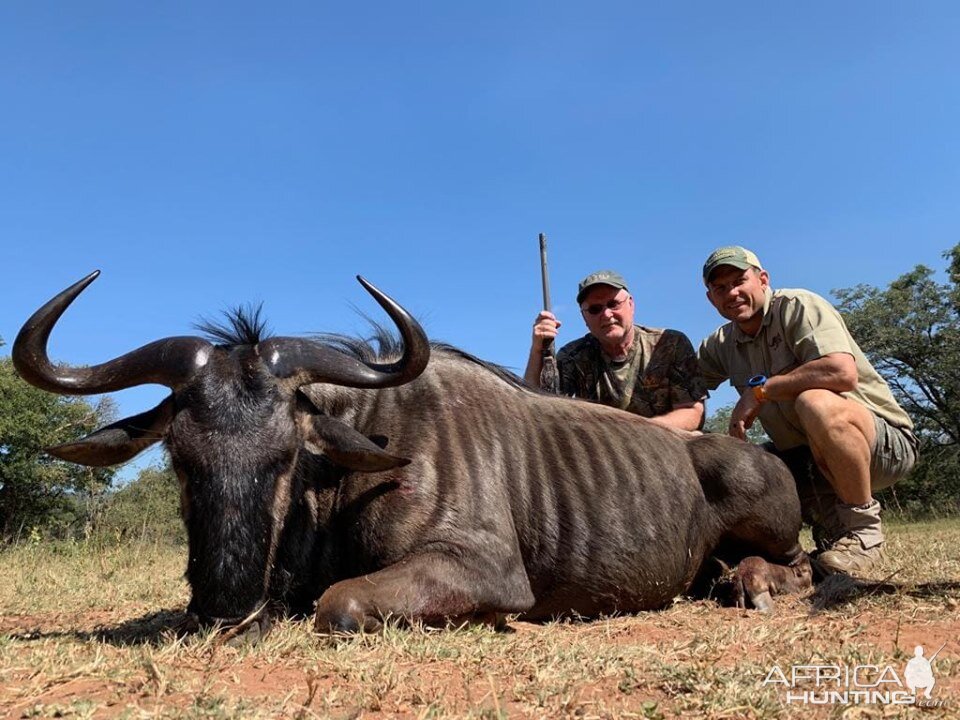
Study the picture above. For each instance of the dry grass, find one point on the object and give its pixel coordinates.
(89, 632)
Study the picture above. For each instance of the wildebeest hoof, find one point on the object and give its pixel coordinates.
(336, 623)
(249, 635)
(755, 579)
(345, 623)
(763, 602)
(246, 633)
(188, 624)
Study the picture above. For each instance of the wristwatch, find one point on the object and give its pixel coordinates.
(757, 382)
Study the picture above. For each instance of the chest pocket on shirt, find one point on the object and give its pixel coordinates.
(652, 382)
(778, 348)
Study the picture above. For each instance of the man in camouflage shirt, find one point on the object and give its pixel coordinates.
(646, 371)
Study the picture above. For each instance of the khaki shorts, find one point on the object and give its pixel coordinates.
(893, 455)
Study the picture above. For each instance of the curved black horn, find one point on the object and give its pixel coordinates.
(310, 362)
(169, 362)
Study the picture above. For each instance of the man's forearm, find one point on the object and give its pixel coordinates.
(531, 376)
(685, 418)
(836, 372)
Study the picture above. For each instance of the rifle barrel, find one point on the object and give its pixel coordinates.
(544, 275)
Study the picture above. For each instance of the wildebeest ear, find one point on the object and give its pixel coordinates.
(348, 448)
(120, 441)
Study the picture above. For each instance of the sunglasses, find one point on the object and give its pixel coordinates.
(598, 308)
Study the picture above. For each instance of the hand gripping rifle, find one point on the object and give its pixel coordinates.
(549, 381)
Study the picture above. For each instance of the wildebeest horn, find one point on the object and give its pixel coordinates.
(169, 362)
(310, 362)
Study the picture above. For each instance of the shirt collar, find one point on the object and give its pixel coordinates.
(630, 352)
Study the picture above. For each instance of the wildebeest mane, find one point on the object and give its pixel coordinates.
(242, 325)
(500, 371)
(384, 346)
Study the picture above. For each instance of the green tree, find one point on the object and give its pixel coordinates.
(910, 331)
(35, 488)
(719, 422)
(146, 508)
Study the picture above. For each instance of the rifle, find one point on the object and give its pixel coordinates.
(549, 381)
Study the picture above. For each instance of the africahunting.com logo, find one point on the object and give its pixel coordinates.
(859, 684)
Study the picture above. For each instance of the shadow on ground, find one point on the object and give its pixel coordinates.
(156, 628)
(837, 590)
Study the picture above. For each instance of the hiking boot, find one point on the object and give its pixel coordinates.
(858, 546)
(848, 555)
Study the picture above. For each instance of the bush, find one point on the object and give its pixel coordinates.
(933, 487)
(147, 508)
(39, 493)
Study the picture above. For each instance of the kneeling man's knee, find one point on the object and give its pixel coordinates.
(816, 402)
(828, 409)
(821, 410)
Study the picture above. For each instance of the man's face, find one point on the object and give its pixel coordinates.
(738, 295)
(608, 313)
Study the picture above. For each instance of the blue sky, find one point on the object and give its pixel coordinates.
(204, 155)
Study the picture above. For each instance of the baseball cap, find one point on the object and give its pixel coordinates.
(734, 255)
(601, 277)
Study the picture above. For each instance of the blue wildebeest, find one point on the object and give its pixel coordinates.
(422, 483)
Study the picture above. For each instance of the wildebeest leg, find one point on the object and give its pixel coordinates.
(769, 531)
(780, 564)
(761, 580)
(433, 588)
(775, 562)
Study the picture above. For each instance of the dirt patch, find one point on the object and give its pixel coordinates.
(693, 658)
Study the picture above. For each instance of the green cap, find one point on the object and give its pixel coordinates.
(734, 255)
(601, 277)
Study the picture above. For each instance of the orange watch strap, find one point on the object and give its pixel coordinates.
(760, 393)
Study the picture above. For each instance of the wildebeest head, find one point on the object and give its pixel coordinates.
(234, 425)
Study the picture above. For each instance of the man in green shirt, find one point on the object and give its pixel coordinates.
(816, 395)
(647, 371)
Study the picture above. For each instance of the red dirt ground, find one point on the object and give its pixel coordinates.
(292, 684)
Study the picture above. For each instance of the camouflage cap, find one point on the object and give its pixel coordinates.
(601, 277)
(734, 255)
